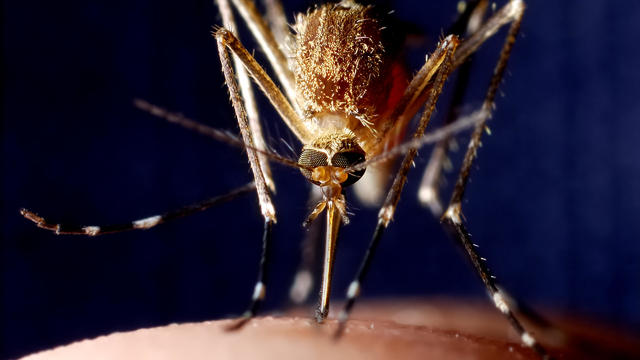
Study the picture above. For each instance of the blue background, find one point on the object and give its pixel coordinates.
(554, 201)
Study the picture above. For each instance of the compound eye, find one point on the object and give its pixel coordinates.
(346, 159)
(312, 158)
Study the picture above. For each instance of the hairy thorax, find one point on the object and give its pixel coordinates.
(345, 74)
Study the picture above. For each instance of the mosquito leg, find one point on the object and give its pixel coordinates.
(416, 93)
(453, 209)
(417, 90)
(429, 191)
(509, 13)
(452, 217)
(462, 235)
(278, 23)
(468, 23)
(269, 45)
(303, 282)
(288, 114)
(140, 224)
(266, 206)
(247, 96)
(259, 290)
(393, 196)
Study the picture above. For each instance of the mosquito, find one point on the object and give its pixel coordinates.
(344, 92)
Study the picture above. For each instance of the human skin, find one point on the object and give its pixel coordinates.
(394, 329)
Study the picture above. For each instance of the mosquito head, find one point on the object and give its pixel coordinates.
(328, 156)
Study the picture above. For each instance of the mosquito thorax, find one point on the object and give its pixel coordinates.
(343, 61)
(327, 157)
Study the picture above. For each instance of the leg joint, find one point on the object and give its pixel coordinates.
(223, 36)
(453, 213)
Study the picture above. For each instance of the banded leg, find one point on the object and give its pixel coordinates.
(259, 290)
(415, 94)
(266, 206)
(469, 20)
(141, 224)
(417, 91)
(385, 215)
(452, 217)
(247, 96)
